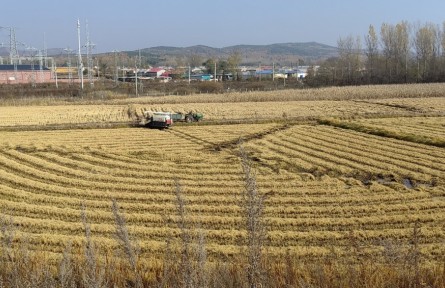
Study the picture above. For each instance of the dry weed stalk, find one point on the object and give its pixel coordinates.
(192, 266)
(252, 205)
(131, 251)
(66, 268)
(415, 255)
(186, 264)
(93, 275)
(8, 232)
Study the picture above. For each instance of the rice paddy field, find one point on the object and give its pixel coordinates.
(87, 114)
(329, 190)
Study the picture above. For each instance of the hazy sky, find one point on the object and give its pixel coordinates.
(133, 24)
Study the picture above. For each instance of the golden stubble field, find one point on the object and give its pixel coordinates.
(329, 190)
(85, 114)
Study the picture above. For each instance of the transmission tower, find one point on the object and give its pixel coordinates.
(13, 52)
(89, 46)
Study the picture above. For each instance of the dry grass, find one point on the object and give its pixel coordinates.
(344, 102)
(423, 130)
(321, 94)
(38, 117)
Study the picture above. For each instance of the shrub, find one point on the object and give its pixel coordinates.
(210, 87)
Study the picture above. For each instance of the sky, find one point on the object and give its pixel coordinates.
(137, 24)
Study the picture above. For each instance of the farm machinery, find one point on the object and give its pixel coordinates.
(166, 119)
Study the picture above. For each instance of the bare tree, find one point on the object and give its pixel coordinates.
(402, 47)
(425, 47)
(387, 36)
(194, 60)
(372, 51)
(442, 44)
(349, 49)
(233, 62)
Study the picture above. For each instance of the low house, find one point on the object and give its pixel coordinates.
(267, 73)
(22, 74)
(301, 72)
(154, 72)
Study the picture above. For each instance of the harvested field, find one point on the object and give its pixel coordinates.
(105, 114)
(349, 180)
(46, 176)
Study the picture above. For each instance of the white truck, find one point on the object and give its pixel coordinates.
(161, 120)
(156, 119)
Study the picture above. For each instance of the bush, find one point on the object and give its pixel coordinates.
(183, 90)
(210, 87)
(254, 86)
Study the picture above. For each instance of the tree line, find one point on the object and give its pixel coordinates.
(397, 53)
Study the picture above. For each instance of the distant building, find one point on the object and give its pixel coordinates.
(23, 74)
(301, 72)
(154, 72)
(66, 72)
(264, 73)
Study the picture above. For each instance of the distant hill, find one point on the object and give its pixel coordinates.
(280, 53)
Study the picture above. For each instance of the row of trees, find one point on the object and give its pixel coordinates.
(400, 53)
(110, 63)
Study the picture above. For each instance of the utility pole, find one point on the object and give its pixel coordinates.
(215, 73)
(80, 56)
(189, 73)
(1, 45)
(45, 50)
(41, 66)
(116, 76)
(259, 69)
(136, 79)
(136, 75)
(273, 71)
(70, 74)
(55, 74)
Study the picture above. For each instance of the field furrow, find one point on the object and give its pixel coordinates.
(323, 186)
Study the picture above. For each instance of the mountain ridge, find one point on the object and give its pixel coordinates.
(250, 54)
(285, 53)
